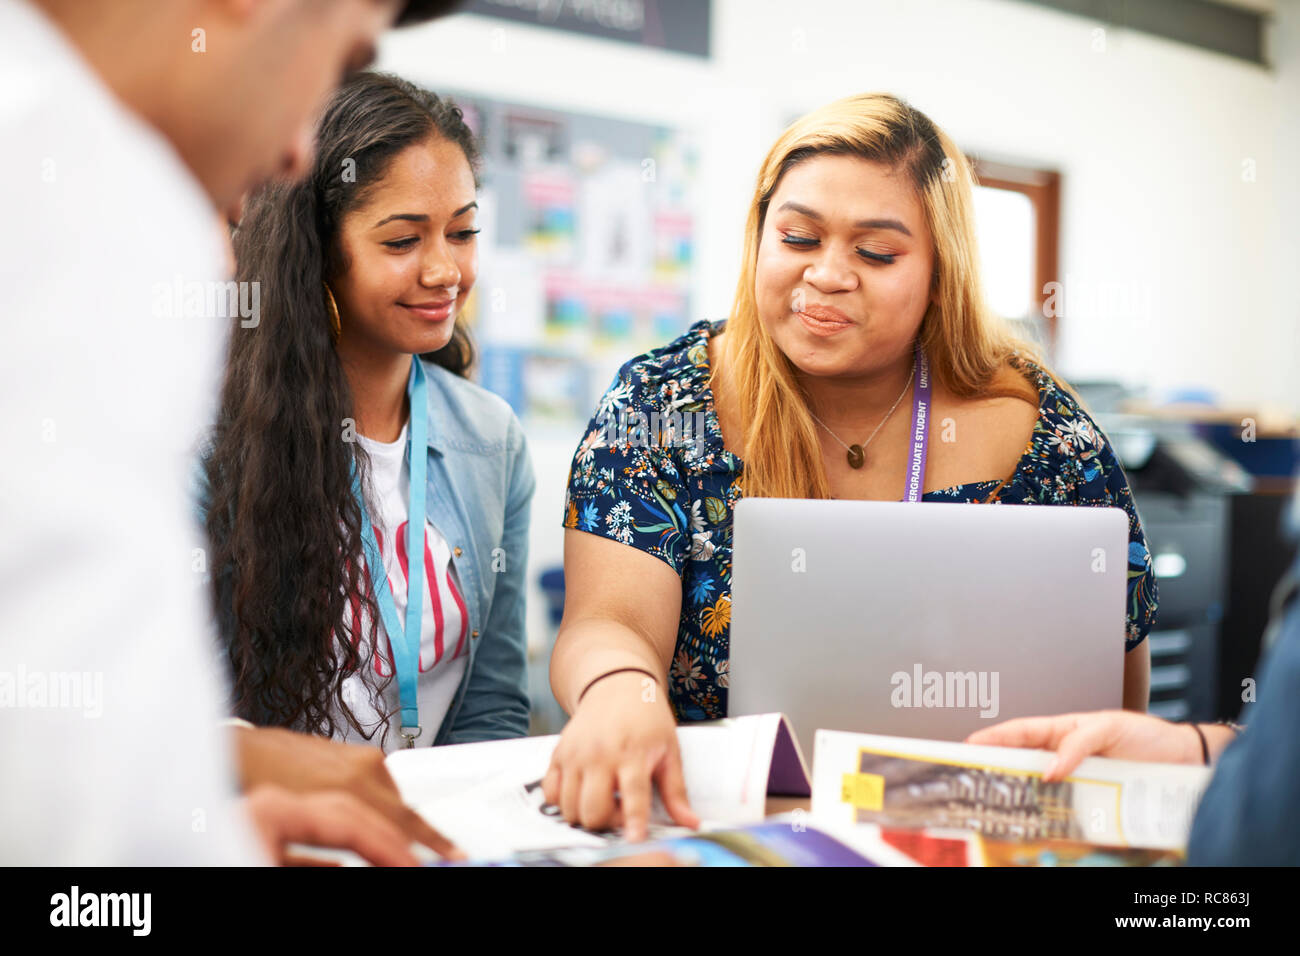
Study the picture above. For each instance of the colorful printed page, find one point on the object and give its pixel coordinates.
(935, 848)
(902, 782)
(763, 844)
(1071, 853)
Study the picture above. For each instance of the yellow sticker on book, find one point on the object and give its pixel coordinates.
(863, 791)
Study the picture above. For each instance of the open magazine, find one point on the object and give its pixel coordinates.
(874, 801)
(1106, 811)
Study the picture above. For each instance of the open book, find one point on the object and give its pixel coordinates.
(874, 800)
(487, 798)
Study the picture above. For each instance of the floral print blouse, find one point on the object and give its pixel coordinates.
(673, 498)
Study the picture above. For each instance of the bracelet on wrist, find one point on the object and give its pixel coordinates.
(1205, 747)
(620, 670)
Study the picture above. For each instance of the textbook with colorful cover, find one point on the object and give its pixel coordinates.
(874, 801)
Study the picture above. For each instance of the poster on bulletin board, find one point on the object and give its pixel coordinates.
(586, 255)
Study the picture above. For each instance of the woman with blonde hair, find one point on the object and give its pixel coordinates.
(859, 289)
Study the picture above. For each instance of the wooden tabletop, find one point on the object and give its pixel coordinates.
(777, 805)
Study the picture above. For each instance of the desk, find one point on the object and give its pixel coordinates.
(777, 805)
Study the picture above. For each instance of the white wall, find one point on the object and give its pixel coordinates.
(1151, 136)
(1190, 278)
(1281, 329)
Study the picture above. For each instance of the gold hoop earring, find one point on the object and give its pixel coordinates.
(335, 328)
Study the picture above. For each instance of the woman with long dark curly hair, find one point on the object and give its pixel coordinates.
(346, 419)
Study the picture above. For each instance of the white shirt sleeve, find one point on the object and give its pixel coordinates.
(109, 741)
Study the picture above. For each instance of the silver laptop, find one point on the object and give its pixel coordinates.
(925, 620)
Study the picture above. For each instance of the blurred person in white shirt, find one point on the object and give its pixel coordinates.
(125, 125)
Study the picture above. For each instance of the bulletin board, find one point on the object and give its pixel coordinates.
(586, 255)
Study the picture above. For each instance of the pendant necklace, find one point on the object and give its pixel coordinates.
(857, 454)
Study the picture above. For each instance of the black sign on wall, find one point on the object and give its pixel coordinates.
(678, 25)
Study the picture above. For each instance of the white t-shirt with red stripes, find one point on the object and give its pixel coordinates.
(444, 643)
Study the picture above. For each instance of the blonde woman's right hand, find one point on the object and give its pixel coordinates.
(620, 744)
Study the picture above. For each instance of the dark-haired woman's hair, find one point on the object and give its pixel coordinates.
(284, 529)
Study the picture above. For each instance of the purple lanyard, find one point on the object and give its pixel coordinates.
(920, 426)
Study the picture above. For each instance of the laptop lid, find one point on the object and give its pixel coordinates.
(929, 620)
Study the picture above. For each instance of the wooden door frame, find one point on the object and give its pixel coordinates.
(1043, 189)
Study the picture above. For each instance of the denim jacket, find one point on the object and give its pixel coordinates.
(480, 489)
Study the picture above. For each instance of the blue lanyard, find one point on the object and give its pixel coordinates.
(405, 642)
